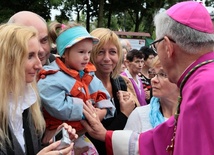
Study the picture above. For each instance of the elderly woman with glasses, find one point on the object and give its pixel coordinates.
(162, 105)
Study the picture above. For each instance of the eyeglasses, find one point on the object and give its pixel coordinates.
(159, 75)
(154, 47)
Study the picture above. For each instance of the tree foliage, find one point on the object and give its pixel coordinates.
(9, 7)
(127, 15)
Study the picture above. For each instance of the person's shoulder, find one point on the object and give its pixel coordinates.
(52, 57)
(120, 83)
(123, 74)
(145, 107)
(207, 70)
(201, 82)
(51, 66)
(47, 70)
(143, 110)
(125, 78)
(204, 75)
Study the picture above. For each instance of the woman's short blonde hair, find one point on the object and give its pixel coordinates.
(106, 35)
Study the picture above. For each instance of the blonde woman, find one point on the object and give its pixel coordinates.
(22, 124)
(107, 58)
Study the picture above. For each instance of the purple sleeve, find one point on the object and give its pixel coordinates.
(155, 141)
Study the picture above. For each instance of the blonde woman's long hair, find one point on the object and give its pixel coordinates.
(106, 35)
(13, 55)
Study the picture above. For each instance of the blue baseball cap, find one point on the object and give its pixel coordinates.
(72, 36)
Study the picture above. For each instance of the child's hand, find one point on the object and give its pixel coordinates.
(50, 133)
(71, 131)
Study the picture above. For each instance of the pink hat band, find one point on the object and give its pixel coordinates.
(192, 14)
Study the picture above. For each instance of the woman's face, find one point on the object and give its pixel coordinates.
(33, 63)
(107, 58)
(78, 56)
(161, 86)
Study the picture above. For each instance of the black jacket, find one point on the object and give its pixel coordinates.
(32, 141)
(117, 122)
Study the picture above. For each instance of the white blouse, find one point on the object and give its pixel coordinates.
(15, 113)
(139, 120)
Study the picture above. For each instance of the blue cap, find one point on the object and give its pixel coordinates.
(72, 36)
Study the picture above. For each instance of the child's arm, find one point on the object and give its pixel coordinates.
(101, 97)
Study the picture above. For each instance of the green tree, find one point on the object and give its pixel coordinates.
(128, 15)
(76, 6)
(9, 7)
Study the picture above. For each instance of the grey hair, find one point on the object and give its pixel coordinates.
(190, 40)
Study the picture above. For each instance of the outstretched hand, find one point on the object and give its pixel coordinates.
(51, 149)
(92, 123)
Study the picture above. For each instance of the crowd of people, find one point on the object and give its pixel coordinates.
(109, 98)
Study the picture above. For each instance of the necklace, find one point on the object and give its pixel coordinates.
(170, 147)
